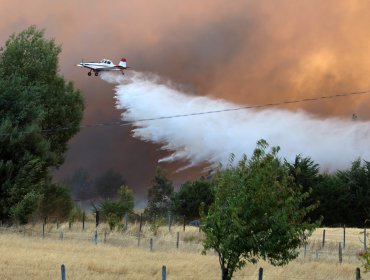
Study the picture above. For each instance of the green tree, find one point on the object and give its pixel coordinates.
(56, 201)
(39, 113)
(304, 172)
(256, 213)
(191, 196)
(114, 210)
(159, 195)
(356, 182)
(24, 208)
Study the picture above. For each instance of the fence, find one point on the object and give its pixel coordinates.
(357, 273)
(335, 245)
(188, 241)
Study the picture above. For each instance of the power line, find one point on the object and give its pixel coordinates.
(126, 123)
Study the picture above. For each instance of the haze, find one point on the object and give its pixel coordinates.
(245, 52)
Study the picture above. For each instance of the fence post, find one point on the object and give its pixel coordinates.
(365, 246)
(97, 218)
(164, 273)
(57, 224)
(323, 239)
(344, 237)
(141, 221)
(138, 240)
(317, 253)
(260, 274)
(305, 249)
(169, 221)
(126, 221)
(61, 237)
(63, 270)
(340, 252)
(69, 225)
(184, 223)
(105, 235)
(151, 244)
(43, 231)
(96, 237)
(83, 220)
(358, 273)
(177, 239)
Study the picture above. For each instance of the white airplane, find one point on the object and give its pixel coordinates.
(104, 65)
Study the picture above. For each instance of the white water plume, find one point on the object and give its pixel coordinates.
(333, 143)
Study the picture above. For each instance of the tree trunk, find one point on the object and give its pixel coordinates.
(225, 273)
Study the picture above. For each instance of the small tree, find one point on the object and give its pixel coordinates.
(192, 195)
(159, 195)
(56, 201)
(23, 209)
(256, 213)
(114, 210)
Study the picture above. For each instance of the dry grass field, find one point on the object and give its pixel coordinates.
(26, 255)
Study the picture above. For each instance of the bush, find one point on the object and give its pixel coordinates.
(23, 209)
(75, 215)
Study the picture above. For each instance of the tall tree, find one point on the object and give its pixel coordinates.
(334, 200)
(256, 214)
(304, 171)
(356, 182)
(39, 112)
(159, 195)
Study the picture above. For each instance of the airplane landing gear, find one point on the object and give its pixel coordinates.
(96, 73)
(89, 73)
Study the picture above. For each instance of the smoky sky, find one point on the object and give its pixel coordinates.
(246, 52)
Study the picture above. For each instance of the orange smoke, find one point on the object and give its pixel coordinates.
(250, 52)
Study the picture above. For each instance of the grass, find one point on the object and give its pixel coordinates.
(25, 255)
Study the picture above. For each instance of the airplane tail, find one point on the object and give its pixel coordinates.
(123, 63)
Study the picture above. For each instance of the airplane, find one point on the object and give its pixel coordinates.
(104, 65)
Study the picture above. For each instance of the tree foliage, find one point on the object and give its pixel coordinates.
(39, 112)
(343, 196)
(114, 210)
(191, 197)
(159, 195)
(356, 183)
(257, 213)
(56, 201)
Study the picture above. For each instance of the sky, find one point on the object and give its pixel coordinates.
(246, 52)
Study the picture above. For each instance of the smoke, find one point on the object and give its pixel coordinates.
(331, 142)
(247, 52)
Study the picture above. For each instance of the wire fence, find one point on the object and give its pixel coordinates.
(329, 246)
(324, 245)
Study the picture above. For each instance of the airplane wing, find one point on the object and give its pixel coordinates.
(92, 67)
(113, 68)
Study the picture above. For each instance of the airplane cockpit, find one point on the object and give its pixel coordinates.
(106, 61)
